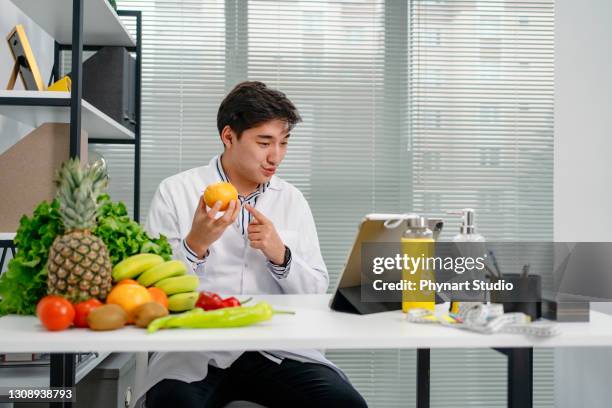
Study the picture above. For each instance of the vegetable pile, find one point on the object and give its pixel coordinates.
(129, 301)
(162, 287)
(25, 281)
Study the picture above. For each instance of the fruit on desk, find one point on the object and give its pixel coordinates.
(55, 312)
(147, 312)
(82, 310)
(179, 284)
(107, 317)
(162, 271)
(133, 266)
(129, 297)
(182, 301)
(79, 265)
(159, 296)
(222, 191)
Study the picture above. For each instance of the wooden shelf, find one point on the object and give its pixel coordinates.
(34, 108)
(101, 24)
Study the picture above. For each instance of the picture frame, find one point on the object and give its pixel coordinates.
(25, 63)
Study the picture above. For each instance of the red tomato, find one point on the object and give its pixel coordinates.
(55, 312)
(82, 309)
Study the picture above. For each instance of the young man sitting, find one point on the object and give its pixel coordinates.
(266, 243)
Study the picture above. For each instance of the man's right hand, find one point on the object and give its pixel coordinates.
(206, 228)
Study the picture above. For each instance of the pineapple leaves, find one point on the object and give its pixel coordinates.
(77, 191)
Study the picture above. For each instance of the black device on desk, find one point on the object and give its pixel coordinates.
(347, 296)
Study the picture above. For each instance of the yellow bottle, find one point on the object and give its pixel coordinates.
(417, 243)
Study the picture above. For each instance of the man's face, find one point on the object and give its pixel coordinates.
(260, 150)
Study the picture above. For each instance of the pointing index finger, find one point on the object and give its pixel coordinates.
(255, 213)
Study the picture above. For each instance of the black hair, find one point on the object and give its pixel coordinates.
(251, 103)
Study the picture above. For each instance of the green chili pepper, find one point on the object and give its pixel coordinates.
(220, 318)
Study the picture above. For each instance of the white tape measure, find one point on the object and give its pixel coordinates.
(486, 319)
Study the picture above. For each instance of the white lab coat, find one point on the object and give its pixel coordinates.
(232, 266)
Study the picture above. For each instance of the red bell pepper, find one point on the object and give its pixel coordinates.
(212, 301)
(209, 301)
(231, 302)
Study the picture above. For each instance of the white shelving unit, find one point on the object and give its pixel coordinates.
(101, 25)
(95, 122)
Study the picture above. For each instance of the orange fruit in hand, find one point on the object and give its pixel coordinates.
(159, 296)
(129, 297)
(222, 191)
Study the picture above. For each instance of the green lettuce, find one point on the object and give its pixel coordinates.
(25, 280)
(125, 237)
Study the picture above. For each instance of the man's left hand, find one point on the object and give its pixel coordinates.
(263, 236)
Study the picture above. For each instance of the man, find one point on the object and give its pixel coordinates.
(265, 243)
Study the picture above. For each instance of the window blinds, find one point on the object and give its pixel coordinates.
(481, 117)
(480, 135)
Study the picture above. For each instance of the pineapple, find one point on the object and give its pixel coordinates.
(79, 267)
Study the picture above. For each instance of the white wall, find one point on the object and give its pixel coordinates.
(583, 170)
(42, 47)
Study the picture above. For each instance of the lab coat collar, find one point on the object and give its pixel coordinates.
(215, 166)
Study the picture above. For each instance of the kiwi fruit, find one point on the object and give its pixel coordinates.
(107, 317)
(147, 312)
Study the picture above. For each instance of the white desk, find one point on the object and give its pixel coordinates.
(314, 326)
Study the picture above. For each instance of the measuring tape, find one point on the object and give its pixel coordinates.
(487, 319)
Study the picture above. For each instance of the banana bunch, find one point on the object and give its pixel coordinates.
(169, 276)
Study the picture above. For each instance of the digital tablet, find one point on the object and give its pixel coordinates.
(373, 228)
